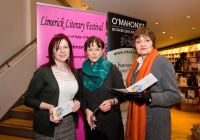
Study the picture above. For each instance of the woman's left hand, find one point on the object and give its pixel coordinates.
(76, 106)
(106, 105)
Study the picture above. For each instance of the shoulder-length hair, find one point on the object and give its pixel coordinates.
(143, 31)
(55, 41)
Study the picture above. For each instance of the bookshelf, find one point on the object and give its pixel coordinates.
(190, 100)
(187, 107)
(189, 92)
(193, 51)
(193, 54)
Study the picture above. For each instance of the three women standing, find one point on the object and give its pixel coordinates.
(148, 114)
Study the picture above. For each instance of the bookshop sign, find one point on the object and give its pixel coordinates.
(119, 42)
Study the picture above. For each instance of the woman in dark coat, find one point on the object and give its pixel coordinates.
(53, 84)
(98, 74)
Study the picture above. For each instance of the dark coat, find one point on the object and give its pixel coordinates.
(164, 93)
(109, 123)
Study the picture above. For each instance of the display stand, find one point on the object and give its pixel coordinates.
(195, 135)
(189, 105)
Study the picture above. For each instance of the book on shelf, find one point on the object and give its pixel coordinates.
(182, 97)
(183, 81)
(198, 79)
(194, 66)
(188, 75)
(193, 60)
(198, 63)
(198, 59)
(191, 94)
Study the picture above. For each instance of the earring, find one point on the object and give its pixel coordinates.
(52, 56)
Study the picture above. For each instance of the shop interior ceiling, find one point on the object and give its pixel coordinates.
(171, 16)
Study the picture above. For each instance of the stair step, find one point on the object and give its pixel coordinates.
(22, 112)
(17, 127)
(12, 122)
(8, 137)
(22, 108)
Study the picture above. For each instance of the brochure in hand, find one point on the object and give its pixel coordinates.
(141, 85)
(62, 110)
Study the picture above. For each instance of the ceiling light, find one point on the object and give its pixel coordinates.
(171, 37)
(187, 16)
(163, 32)
(193, 28)
(156, 22)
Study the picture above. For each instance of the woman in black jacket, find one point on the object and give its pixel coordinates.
(53, 84)
(180, 61)
(101, 105)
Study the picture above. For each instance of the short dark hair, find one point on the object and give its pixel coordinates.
(93, 39)
(144, 32)
(183, 55)
(55, 41)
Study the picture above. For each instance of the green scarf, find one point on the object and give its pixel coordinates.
(95, 75)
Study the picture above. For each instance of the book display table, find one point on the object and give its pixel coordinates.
(195, 135)
(190, 98)
(188, 107)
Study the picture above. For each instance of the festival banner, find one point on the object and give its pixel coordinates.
(78, 25)
(119, 41)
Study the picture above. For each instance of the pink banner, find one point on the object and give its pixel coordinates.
(77, 25)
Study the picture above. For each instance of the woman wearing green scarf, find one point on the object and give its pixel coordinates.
(100, 105)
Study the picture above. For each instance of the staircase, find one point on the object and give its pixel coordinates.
(19, 125)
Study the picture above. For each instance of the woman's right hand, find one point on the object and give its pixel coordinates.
(51, 115)
(46, 106)
(88, 117)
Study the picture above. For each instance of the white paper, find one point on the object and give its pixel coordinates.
(62, 110)
(141, 85)
(120, 90)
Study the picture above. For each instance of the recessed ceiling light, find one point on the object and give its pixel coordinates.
(187, 16)
(163, 32)
(156, 22)
(193, 28)
(171, 37)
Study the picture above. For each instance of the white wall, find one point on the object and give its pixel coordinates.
(15, 81)
(18, 25)
(17, 29)
(12, 27)
(33, 13)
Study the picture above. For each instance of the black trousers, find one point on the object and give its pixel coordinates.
(94, 134)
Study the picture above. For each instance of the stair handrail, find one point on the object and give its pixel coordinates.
(16, 54)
